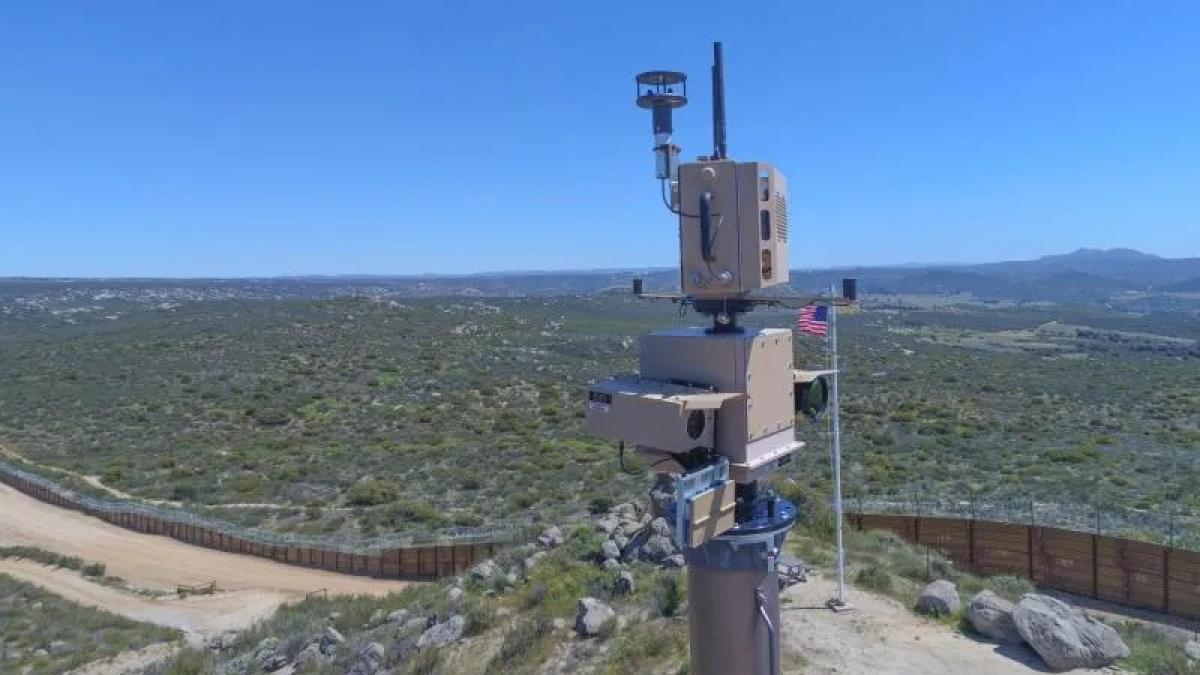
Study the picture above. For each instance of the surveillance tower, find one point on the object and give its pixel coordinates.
(715, 406)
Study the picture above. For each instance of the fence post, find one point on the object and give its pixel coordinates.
(971, 535)
(1096, 557)
(1166, 565)
(1029, 539)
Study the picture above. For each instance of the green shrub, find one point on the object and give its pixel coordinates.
(875, 578)
(520, 642)
(645, 647)
(478, 616)
(669, 595)
(425, 662)
(372, 492)
(600, 503)
(93, 570)
(186, 662)
(408, 511)
(1152, 653)
(1008, 587)
(585, 543)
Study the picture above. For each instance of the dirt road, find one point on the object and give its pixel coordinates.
(197, 615)
(882, 637)
(161, 563)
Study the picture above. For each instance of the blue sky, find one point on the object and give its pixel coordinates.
(264, 138)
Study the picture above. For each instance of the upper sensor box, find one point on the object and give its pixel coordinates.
(733, 228)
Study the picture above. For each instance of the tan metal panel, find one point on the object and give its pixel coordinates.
(712, 513)
(771, 406)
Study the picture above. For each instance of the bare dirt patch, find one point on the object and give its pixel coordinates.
(196, 616)
(882, 637)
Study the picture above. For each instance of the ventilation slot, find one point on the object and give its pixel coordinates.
(781, 217)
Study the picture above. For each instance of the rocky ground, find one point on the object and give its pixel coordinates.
(609, 596)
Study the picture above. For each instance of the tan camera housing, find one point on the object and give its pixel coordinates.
(748, 228)
(745, 379)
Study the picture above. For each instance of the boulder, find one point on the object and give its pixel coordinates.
(652, 543)
(674, 561)
(626, 511)
(624, 584)
(370, 660)
(454, 596)
(660, 526)
(608, 524)
(552, 537)
(533, 559)
(592, 616)
(611, 564)
(330, 640)
(413, 627)
(1192, 649)
(611, 550)
(267, 656)
(629, 528)
(310, 654)
(399, 616)
(992, 617)
(377, 618)
(662, 494)
(1065, 638)
(657, 548)
(939, 598)
(444, 633)
(486, 570)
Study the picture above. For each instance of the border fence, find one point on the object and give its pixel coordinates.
(1143, 574)
(392, 556)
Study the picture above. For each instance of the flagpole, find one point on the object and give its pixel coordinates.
(835, 441)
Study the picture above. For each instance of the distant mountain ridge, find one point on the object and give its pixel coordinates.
(1085, 275)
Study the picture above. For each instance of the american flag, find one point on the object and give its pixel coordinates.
(814, 320)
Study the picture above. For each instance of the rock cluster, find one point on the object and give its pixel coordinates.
(370, 660)
(1064, 637)
(636, 536)
(442, 634)
(552, 537)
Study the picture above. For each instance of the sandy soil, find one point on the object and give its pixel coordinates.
(197, 615)
(882, 637)
(157, 562)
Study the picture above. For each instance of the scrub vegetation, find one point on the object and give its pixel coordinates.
(41, 633)
(368, 415)
(363, 416)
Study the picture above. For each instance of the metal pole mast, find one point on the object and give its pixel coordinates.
(835, 440)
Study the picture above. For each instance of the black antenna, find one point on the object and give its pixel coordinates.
(718, 94)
